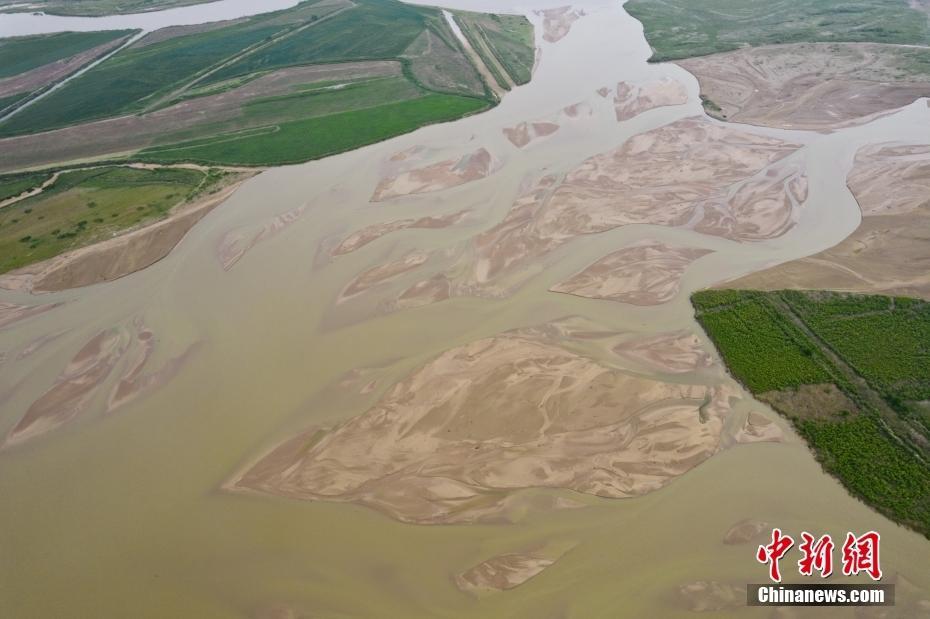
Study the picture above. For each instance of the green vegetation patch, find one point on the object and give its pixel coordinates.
(510, 39)
(21, 54)
(372, 30)
(874, 349)
(763, 350)
(86, 206)
(874, 466)
(313, 138)
(14, 185)
(886, 339)
(685, 28)
(127, 81)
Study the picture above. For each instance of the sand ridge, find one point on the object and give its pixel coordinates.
(645, 273)
(368, 234)
(453, 439)
(124, 353)
(692, 173)
(888, 252)
(237, 243)
(632, 100)
(13, 312)
(674, 352)
(523, 133)
(557, 23)
(501, 572)
(817, 86)
(435, 177)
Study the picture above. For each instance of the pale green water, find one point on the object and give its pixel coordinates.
(122, 515)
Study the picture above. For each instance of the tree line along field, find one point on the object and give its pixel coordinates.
(437, 83)
(85, 206)
(786, 347)
(679, 29)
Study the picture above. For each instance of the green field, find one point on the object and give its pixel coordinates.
(685, 28)
(86, 206)
(128, 80)
(372, 30)
(508, 37)
(14, 185)
(313, 138)
(435, 81)
(874, 349)
(21, 54)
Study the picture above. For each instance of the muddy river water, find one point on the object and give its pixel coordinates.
(123, 513)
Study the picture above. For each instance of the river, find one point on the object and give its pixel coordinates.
(22, 24)
(122, 514)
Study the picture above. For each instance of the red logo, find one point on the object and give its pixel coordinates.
(773, 553)
(817, 555)
(860, 554)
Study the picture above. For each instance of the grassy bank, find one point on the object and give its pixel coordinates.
(684, 28)
(86, 206)
(852, 372)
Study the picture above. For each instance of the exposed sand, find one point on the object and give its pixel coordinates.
(632, 100)
(645, 273)
(807, 85)
(85, 377)
(558, 22)
(888, 253)
(120, 255)
(710, 596)
(691, 172)
(759, 429)
(746, 531)
(382, 273)
(449, 442)
(443, 175)
(366, 235)
(524, 133)
(11, 312)
(48, 74)
(74, 388)
(501, 572)
(675, 352)
(425, 292)
(237, 243)
(133, 383)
